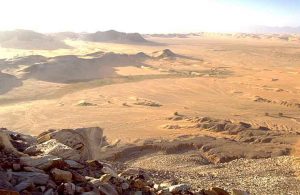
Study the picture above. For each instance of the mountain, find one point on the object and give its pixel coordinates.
(27, 39)
(114, 36)
(274, 29)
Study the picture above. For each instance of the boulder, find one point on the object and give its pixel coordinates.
(55, 148)
(86, 141)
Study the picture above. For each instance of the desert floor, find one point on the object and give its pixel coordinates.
(241, 80)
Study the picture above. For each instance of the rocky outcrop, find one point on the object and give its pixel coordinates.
(43, 173)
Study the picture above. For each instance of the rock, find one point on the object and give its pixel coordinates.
(220, 191)
(86, 141)
(109, 171)
(49, 192)
(6, 144)
(35, 178)
(239, 192)
(52, 147)
(61, 175)
(33, 169)
(125, 186)
(95, 182)
(16, 167)
(4, 181)
(138, 193)
(89, 193)
(43, 138)
(105, 178)
(139, 183)
(23, 185)
(209, 192)
(179, 188)
(8, 192)
(74, 165)
(32, 150)
(77, 177)
(69, 189)
(40, 162)
(108, 189)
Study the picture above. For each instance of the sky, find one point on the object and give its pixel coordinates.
(147, 16)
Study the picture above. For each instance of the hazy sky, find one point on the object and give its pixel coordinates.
(146, 16)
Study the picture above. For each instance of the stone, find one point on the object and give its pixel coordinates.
(220, 191)
(69, 188)
(55, 148)
(109, 171)
(40, 162)
(5, 143)
(89, 193)
(209, 192)
(8, 192)
(74, 165)
(23, 185)
(33, 169)
(49, 192)
(138, 193)
(16, 167)
(32, 150)
(61, 175)
(86, 141)
(34, 177)
(77, 177)
(139, 183)
(239, 192)
(179, 188)
(95, 182)
(105, 178)
(124, 186)
(43, 138)
(4, 182)
(107, 189)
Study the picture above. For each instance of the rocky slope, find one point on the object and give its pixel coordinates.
(63, 162)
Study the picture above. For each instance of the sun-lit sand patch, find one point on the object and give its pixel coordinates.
(132, 70)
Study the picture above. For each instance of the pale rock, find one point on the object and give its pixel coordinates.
(105, 178)
(53, 147)
(40, 162)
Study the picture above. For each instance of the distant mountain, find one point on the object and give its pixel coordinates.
(27, 39)
(270, 30)
(114, 36)
(65, 35)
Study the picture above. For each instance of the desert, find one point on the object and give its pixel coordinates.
(200, 111)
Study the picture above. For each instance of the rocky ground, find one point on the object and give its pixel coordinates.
(61, 162)
(55, 164)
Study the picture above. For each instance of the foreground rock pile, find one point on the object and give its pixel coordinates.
(58, 162)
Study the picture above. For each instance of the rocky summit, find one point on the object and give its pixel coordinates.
(66, 162)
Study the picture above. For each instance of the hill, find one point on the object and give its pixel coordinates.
(114, 36)
(27, 39)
